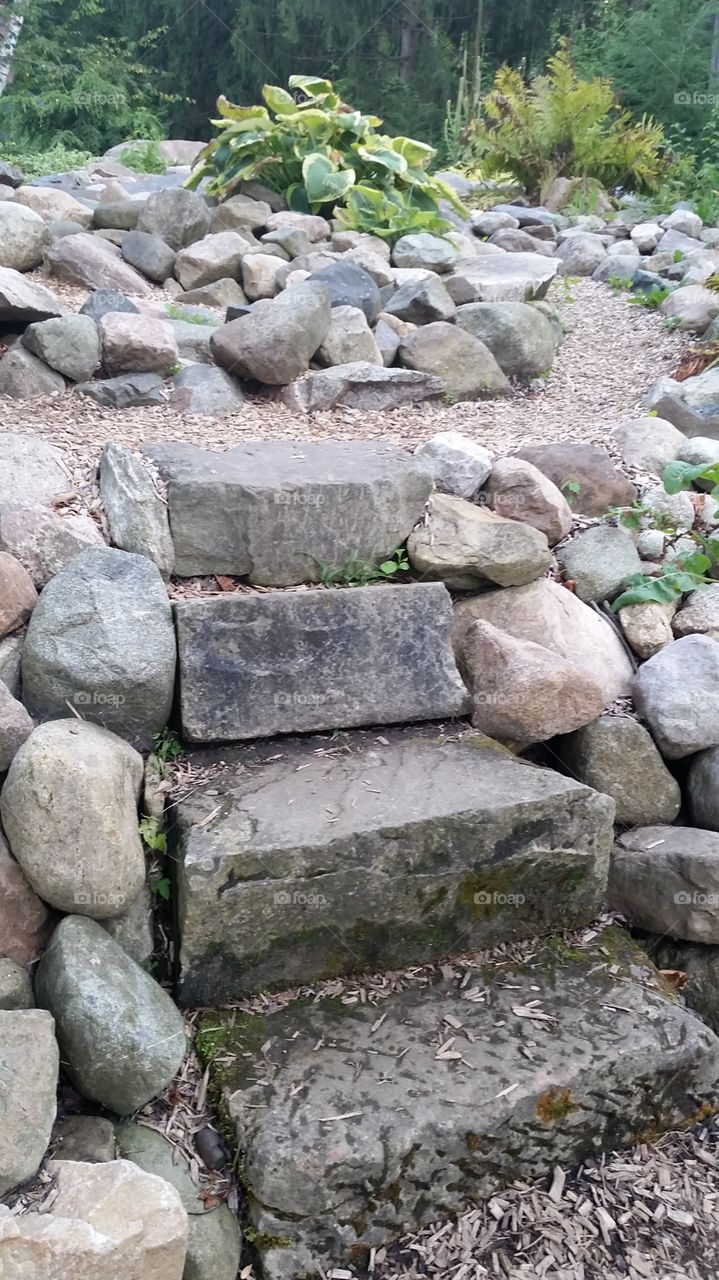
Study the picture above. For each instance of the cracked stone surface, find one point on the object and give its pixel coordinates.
(272, 510)
(309, 867)
(360, 1122)
(296, 662)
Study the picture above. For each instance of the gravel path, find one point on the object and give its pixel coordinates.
(613, 353)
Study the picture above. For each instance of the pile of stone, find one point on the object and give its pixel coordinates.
(261, 295)
(429, 838)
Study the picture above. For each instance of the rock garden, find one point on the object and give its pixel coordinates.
(359, 729)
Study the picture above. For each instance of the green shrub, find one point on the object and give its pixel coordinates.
(561, 126)
(321, 155)
(144, 157)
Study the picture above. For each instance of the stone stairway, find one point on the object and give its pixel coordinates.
(358, 1122)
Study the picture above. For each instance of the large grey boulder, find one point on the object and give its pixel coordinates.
(522, 691)
(599, 561)
(137, 344)
(23, 301)
(677, 693)
(18, 596)
(106, 1221)
(92, 263)
(275, 342)
(474, 846)
(69, 344)
(648, 443)
(703, 789)
(464, 546)
(360, 385)
(584, 473)
(458, 464)
(214, 257)
(69, 810)
(520, 491)
(15, 727)
(699, 614)
(214, 1241)
(149, 254)
(435, 1129)
(421, 302)
(521, 339)
(121, 1037)
(349, 338)
(501, 277)
(102, 639)
(15, 986)
(10, 658)
(45, 542)
(29, 1065)
(272, 511)
(136, 512)
(23, 376)
(580, 254)
(133, 928)
(25, 923)
(547, 614)
(30, 466)
(348, 285)
(23, 236)
(193, 341)
(52, 204)
(178, 217)
(101, 302)
(700, 964)
(202, 388)
(433, 253)
(467, 368)
(691, 307)
(666, 879)
(616, 755)
(252, 666)
(126, 391)
(692, 405)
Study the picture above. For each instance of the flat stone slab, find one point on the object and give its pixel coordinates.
(273, 511)
(312, 866)
(361, 1122)
(255, 665)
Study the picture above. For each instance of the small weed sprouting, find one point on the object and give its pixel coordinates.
(358, 573)
(166, 747)
(652, 298)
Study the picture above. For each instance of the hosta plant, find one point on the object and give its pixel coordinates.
(323, 156)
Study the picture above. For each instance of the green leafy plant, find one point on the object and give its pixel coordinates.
(561, 126)
(619, 284)
(689, 573)
(320, 154)
(154, 839)
(144, 157)
(173, 312)
(166, 748)
(571, 490)
(678, 256)
(357, 573)
(652, 298)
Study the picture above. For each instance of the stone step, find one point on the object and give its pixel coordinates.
(324, 863)
(359, 1122)
(272, 510)
(253, 665)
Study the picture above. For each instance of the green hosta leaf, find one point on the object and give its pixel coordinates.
(229, 111)
(296, 198)
(681, 475)
(383, 156)
(277, 99)
(313, 87)
(415, 153)
(324, 181)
